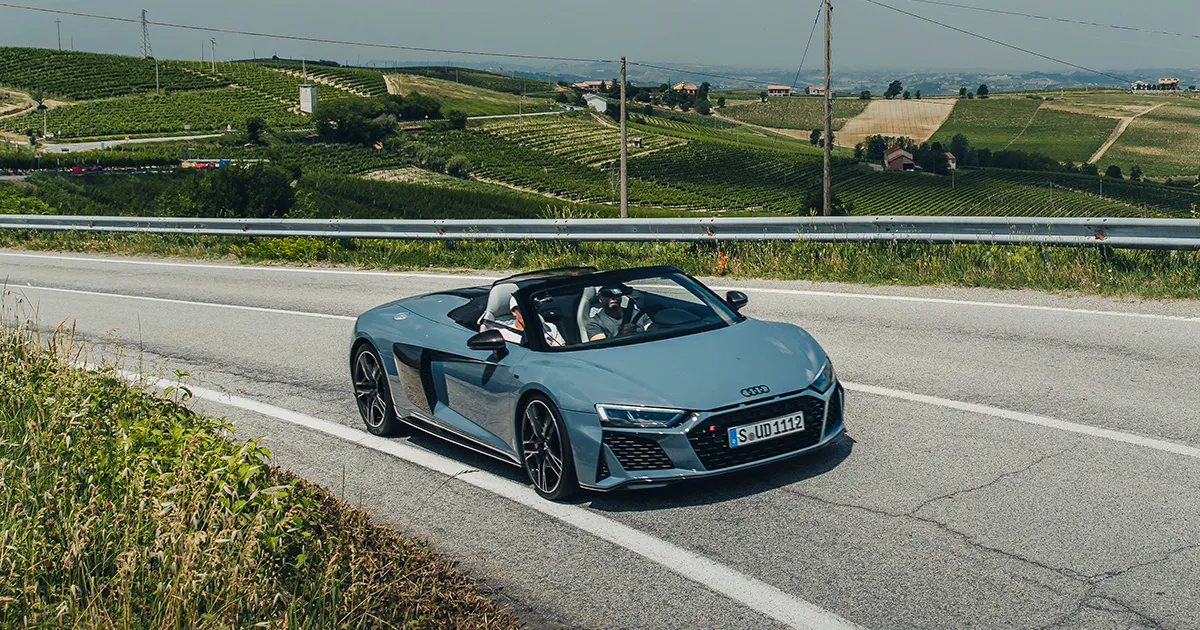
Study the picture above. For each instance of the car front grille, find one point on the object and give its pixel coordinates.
(637, 453)
(602, 471)
(710, 438)
(836, 407)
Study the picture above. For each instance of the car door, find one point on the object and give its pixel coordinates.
(477, 393)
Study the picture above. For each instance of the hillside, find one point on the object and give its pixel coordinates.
(74, 76)
(474, 100)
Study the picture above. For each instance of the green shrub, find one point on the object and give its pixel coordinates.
(459, 166)
(126, 509)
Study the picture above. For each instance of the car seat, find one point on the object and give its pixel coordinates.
(497, 311)
(588, 307)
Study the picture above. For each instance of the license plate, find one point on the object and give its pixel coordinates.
(765, 430)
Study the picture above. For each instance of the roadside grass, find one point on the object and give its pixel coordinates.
(125, 509)
(1164, 142)
(795, 112)
(1094, 271)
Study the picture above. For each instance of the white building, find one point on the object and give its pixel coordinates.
(596, 102)
(308, 98)
(815, 90)
(779, 90)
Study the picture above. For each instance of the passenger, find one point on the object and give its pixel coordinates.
(514, 331)
(613, 320)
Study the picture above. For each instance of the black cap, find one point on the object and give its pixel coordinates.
(613, 291)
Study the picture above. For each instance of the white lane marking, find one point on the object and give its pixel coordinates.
(1028, 418)
(237, 307)
(451, 277)
(924, 300)
(1109, 434)
(281, 269)
(754, 594)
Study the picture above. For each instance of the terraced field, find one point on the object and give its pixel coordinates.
(1164, 142)
(1064, 136)
(206, 110)
(475, 101)
(989, 123)
(273, 84)
(725, 133)
(577, 138)
(73, 75)
(478, 78)
(361, 80)
(976, 192)
(794, 112)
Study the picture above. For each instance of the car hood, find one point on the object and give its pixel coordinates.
(696, 372)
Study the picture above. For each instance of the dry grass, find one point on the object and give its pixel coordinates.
(124, 509)
(916, 119)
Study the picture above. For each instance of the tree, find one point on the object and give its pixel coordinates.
(865, 95)
(918, 95)
(894, 89)
(1113, 172)
(254, 128)
(763, 96)
(648, 110)
(1089, 169)
(814, 137)
(959, 146)
(982, 91)
(860, 151)
(579, 101)
(832, 138)
(907, 95)
(962, 92)
(876, 146)
(970, 95)
(457, 118)
(1135, 173)
(814, 202)
(459, 166)
(702, 93)
(721, 101)
(703, 107)
(561, 98)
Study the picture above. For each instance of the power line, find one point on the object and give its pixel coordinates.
(1057, 19)
(810, 38)
(999, 43)
(317, 40)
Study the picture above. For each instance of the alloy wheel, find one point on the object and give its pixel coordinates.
(542, 447)
(370, 389)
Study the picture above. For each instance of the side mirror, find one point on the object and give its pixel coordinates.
(490, 340)
(736, 300)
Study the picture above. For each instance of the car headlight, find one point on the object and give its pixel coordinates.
(826, 378)
(633, 417)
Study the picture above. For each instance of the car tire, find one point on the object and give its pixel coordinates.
(372, 393)
(546, 450)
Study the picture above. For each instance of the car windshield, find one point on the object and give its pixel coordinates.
(630, 308)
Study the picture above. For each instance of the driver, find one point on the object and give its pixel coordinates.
(613, 320)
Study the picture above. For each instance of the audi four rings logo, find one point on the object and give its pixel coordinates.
(757, 390)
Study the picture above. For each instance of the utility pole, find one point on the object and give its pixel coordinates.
(214, 56)
(58, 25)
(624, 150)
(828, 183)
(147, 52)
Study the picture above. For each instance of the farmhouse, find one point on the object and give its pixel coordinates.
(952, 162)
(897, 159)
(591, 86)
(596, 102)
(779, 90)
(1168, 84)
(687, 88)
(815, 90)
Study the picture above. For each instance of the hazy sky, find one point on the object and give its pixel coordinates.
(740, 33)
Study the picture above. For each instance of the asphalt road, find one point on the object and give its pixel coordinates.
(1017, 460)
(55, 148)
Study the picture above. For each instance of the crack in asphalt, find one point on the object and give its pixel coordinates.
(1102, 577)
(998, 479)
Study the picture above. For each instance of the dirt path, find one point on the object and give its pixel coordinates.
(1116, 134)
(1027, 123)
(392, 82)
(26, 104)
(916, 119)
(323, 81)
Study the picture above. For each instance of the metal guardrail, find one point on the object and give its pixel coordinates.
(1104, 232)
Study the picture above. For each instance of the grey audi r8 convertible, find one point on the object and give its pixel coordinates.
(597, 380)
